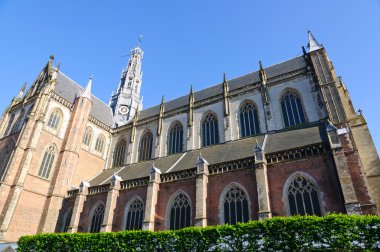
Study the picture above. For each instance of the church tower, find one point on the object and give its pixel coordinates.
(127, 100)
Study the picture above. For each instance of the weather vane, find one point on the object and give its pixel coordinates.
(139, 41)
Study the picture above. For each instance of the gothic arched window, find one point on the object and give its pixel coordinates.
(235, 205)
(180, 212)
(249, 120)
(54, 119)
(134, 214)
(303, 197)
(99, 145)
(119, 153)
(175, 138)
(210, 133)
(67, 220)
(9, 124)
(97, 218)
(16, 127)
(47, 162)
(292, 110)
(5, 155)
(146, 145)
(87, 137)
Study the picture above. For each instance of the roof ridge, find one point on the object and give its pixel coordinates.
(76, 83)
(228, 80)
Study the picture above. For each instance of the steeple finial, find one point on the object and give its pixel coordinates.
(263, 76)
(21, 92)
(261, 65)
(313, 43)
(87, 92)
(162, 99)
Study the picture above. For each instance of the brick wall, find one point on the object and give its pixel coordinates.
(320, 168)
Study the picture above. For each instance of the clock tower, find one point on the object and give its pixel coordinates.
(126, 101)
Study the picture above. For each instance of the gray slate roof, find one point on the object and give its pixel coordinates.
(70, 90)
(272, 71)
(230, 151)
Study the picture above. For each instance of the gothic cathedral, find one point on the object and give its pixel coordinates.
(282, 140)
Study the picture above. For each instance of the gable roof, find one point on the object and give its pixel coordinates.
(234, 150)
(70, 90)
(236, 83)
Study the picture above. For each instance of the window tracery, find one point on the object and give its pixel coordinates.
(210, 133)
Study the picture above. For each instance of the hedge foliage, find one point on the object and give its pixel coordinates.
(298, 233)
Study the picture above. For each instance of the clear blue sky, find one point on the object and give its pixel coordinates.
(187, 42)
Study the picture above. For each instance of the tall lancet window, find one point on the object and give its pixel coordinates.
(99, 145)
(87, 137)
(134, 214)
(292, 109)
(146, 145)
(54, 121)
(249, 120)
(97, 218)
(235, 205)
(210, 133)
(5, 155)
(10, 122)
(67, 220)
(303, 197)
(17, 126)
(180, 212)
(175, 138)
(47, 162)
(119, 153)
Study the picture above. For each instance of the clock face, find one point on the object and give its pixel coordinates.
(123, 110)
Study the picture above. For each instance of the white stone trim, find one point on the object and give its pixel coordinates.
(170, 203)
(126, 208)
(246, 101)
(184, 138)
(285, 190)
(223, 195)
(291, 89)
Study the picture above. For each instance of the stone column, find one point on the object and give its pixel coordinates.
(78, 206)
(201, 192)
(112, 196)
(351, 202)
(262, 183)
(151, 199)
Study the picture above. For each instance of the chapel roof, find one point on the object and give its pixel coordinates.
(70, 90)
(305, 135)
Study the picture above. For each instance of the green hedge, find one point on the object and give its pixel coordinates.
(296, 233)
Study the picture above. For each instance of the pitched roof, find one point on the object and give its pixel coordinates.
(70, 90)
(229, 151)
(271, 71)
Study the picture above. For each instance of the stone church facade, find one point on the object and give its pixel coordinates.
(279, 141)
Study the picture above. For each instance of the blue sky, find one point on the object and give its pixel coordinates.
(187, 42)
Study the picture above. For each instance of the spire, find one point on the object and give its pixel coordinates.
(161, 116)
(190, 115)
(225, 96)
(201, 160)
(21, 93)
(87, 92)
(263, 76)
(313, 43)
(126, 100)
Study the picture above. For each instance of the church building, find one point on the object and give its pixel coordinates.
(283, 140)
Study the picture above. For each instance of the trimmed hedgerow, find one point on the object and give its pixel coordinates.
(295, 233)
